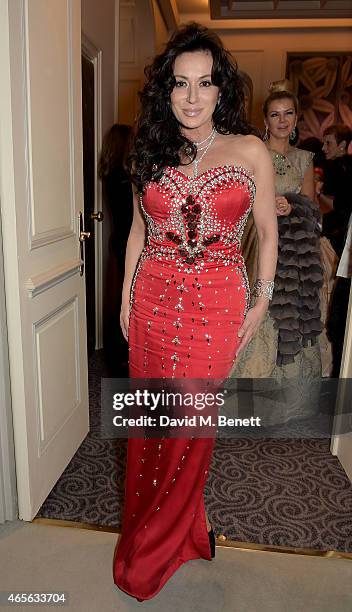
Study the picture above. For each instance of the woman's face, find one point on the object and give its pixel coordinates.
(194, 97)
(281, 118)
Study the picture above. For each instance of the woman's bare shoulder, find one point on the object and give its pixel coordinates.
(245, 142)
(247, 148)
(252, 143)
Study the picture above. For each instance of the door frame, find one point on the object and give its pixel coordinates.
(117, 55)
(93, 54)
(8, 490)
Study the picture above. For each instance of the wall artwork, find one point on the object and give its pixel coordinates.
(323, 84)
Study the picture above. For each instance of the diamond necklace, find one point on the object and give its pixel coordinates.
(198, 144)
(280, 162)
(196, 162)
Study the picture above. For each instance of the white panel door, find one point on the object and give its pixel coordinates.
(41, 197)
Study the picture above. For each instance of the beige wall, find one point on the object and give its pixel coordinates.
(263, 54)
(98, 25)
(137, 46)
(260, 52)
(161, 31)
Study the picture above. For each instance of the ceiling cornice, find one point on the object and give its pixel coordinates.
(265, 24)
(280, 9)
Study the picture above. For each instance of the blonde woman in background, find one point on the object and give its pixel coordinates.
(286, 348)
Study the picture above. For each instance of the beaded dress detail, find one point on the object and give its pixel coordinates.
(189, 297)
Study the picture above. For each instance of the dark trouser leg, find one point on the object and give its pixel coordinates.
(337, 320)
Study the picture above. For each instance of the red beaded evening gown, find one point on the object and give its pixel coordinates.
(189, 297)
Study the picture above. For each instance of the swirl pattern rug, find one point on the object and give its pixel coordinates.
(278, 492)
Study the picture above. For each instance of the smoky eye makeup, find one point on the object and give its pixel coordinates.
(274, 114)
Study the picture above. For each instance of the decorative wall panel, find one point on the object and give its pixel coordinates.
(323, 84)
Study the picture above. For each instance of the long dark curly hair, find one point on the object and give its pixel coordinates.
(158, 138)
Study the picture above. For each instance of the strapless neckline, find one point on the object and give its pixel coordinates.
(213, 169)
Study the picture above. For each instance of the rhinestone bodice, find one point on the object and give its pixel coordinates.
(196, 222)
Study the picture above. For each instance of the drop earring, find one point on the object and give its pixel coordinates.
(293, 134)
(266, 134)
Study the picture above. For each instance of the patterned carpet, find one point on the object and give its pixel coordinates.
(279, 492)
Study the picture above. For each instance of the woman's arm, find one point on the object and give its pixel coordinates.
(308, 187)
(326, 203)
(264, 214)
(135, 244)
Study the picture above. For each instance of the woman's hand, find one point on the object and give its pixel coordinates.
(283, 208)
(125, 320)
(255, 316)
(318, 188)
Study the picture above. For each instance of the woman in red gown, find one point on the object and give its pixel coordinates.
(185, 308)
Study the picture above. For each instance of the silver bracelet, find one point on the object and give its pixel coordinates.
(263, 288)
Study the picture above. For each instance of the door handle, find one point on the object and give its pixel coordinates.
(97, 216)
(83, 236)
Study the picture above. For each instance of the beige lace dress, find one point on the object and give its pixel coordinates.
(296, 373)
